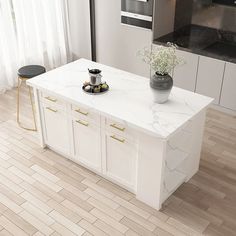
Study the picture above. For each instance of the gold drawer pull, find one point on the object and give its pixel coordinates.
(81, 112)
(116, 127)
(82, 123)
(120, 140)
(50, 109)
(51, 99)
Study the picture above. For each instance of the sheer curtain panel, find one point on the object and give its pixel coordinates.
(32, 32)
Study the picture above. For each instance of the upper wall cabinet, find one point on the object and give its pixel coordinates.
(185, 76)
(210, 76)
(228, 97)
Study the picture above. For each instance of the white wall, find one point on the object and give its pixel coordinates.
(79, 21)
(117, 44)
(164, 16)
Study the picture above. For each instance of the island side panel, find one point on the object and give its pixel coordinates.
(39, 118)
(191, 165)
(151, 155)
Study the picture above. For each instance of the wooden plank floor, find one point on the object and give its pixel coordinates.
(42, 193)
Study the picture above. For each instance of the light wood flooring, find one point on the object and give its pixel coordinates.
(42, 193)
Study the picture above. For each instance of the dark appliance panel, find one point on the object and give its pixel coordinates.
(137, 13)
(225, 2)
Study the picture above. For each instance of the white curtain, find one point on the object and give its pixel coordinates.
(32, 32)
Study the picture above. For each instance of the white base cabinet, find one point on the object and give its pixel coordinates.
(228, 97)
(56, 128)
(148, 166)
(185, 76)
(121, 160)
(210, 77)
(87, 144)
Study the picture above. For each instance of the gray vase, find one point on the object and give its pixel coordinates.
(161, 86)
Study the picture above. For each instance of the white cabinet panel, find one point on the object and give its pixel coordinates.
(228, 95)
(87, 141)
(121, 157)
(210, 76)
(79, 23)
(117, 44)
(185, 76)
(56, 129)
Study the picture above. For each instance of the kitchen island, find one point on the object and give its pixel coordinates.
(148, 148)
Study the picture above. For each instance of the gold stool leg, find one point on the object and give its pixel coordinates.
(33, 111)
(18, 106)
(18, 101)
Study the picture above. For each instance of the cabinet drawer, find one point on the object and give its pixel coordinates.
(85, 113)
(121, 129)
(53, 108)
(53, 100)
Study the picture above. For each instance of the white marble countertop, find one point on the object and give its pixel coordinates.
(129, 98)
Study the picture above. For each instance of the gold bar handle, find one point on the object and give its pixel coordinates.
(120, 140)
(81, 112)
(116, 127)
(50, 109)
(82, 123)
(51, 99)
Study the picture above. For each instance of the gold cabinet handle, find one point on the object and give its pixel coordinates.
(82, 123)
(117, 139)
(50, 109)
(51, 99)
(81, 112)
(116, 127)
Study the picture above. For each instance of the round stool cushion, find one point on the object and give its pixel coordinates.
(31, 71)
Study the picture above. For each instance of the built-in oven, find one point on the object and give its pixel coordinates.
(137, 13)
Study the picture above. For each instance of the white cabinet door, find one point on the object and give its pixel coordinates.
(184, 76)
(228, 95)
(210, 76)
(121, 157)
(87, 141)
(56, 129)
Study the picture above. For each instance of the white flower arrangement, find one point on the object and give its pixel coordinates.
(162, 59)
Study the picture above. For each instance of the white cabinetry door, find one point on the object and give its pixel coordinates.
(87, 141)
(56, 129)
(184, 76)
(121, 157)
(228, 95)
(210, 76)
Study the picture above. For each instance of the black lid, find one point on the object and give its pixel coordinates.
(94, 71)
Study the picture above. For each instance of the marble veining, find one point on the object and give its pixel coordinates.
(129, 98)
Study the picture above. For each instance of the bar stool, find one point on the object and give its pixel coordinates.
(25, 73)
